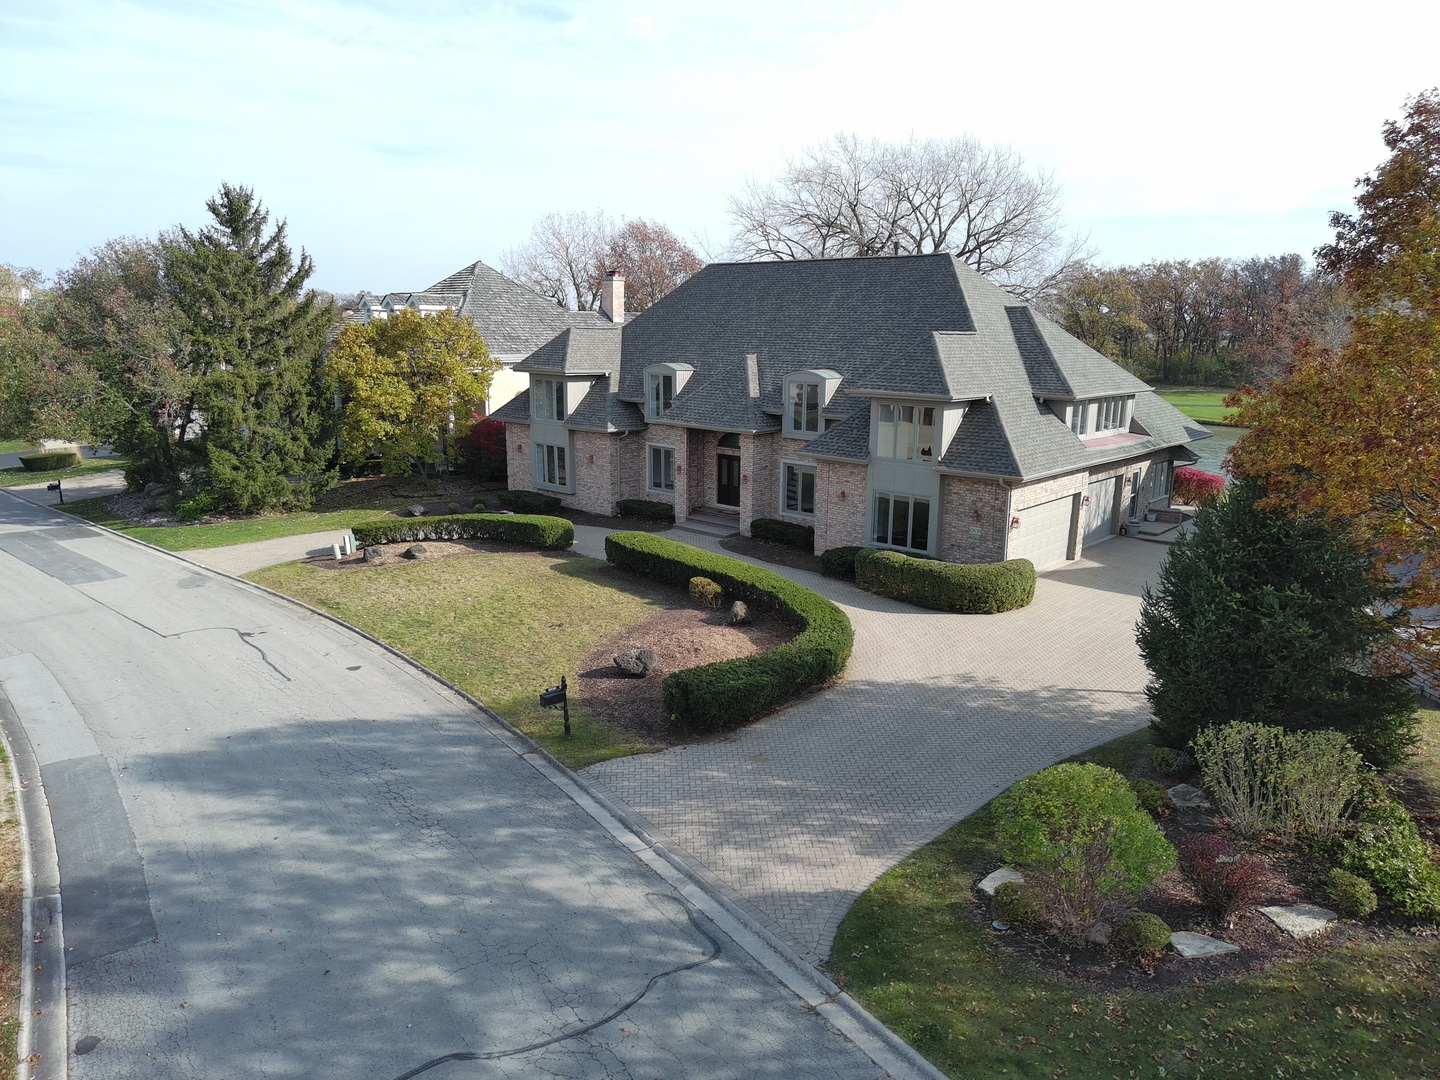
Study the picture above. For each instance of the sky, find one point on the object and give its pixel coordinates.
(402, 141)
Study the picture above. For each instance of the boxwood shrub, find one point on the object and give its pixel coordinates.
(713, 697)
(969, 588)
(789, 533)
(532, 530)
(529, 502)
(839, 562)
(48, 462)
(646, 508)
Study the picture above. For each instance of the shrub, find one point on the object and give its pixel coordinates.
(1086, 847)
(137, 475)
(705, 591)
(1193, 487)
(1150, 796)
(1351, 894)
(1142, 934)
(1387, 850)
(529, 502)
(969, 588)
(1019, 905)
(1227, 883)
(789, 533)
(1263, 618)
(721, 695)
(1322, 777)
(48, 462)
(839, 562)
(646, 508)
(479, 506)
(454, 508)
(1242, 768)
(199, 505)
(1170, 762)
(531, 530)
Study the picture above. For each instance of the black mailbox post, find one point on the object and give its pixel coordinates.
(555, 697)
(56, 487)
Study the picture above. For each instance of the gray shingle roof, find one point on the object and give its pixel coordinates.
(588, 350)
(849, 440)
(602, 410)
(516, 410)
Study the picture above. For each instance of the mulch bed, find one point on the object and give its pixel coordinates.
(767, 551)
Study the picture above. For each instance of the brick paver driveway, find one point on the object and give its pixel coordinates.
(796, 815)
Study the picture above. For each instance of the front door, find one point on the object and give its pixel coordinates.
(727, 483)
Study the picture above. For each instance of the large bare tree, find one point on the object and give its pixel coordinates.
(563, 258)
(851, 197)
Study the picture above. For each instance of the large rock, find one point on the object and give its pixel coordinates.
(1187, 797)
(992, 881)
(374, 554)
(1100, 933)
(739, 613)
(1192, 946)
(1300, 920)
(153, 489)
(637, 662)
(415, 510)
(414, 551)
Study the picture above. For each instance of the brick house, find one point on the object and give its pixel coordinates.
(888, 402)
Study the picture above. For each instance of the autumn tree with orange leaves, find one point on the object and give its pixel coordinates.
(1353, 433)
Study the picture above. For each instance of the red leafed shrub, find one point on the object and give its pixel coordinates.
(1227, 882)
(1194, 487)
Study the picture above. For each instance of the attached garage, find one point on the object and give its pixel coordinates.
(1043, 535)
(1100, 512)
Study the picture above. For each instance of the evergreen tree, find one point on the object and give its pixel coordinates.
(254, 336)
(1264, 617)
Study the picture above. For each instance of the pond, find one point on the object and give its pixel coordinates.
(1212, 451)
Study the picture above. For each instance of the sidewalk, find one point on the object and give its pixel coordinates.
(240, 559)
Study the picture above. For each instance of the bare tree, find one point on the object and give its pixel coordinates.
(653, 259)
(848, 197)
(564, 258)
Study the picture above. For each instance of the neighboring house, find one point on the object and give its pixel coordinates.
(898, 402)
(513, 319)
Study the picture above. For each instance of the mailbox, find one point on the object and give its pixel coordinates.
(56, 487)
(555, 697)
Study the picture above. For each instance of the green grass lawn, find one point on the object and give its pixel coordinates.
(499, 626)
(20, 476)
(912, 954)
(12, 446)
(1207, 406)
(194, 537)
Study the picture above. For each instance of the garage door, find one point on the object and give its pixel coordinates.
(1100, 514)
(1043, 535)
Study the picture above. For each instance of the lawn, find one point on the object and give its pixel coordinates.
(910, 951)
(12, 446)
(502, 627)
(20, 476)
(194, 537)
(1207, 406)
(11, 898)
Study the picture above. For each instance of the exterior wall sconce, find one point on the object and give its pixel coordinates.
(745, 479)
(842, 494)
(1014, 523)
(679, 469)
(975, 512)
(1084, 500)
(519, 447)
(589, 459)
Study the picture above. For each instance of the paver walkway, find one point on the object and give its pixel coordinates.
(794, 816)
(242, 558)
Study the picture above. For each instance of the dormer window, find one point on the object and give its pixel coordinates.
(662, 393)
(547, 399)
(662, 383)
(1100, 416)
(905, 432)
(806, 393)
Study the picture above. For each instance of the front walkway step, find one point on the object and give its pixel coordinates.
(711, 523)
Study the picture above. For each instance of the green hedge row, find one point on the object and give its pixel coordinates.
(529, 502)
(646, 508)
(839, 562)
(783, 532)
(532, 530)
(723, 695)
(969, 588)
(59, 459)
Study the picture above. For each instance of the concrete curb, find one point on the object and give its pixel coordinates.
(886, 1049)
(42, 1052)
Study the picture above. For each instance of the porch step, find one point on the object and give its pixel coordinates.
(710, 522)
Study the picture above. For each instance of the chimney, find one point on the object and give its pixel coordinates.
(612, 296)
(752, 374)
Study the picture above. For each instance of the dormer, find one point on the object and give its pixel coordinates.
(1095, 418)
(806, 394)
(662, 383)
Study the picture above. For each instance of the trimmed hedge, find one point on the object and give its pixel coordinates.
(729, 693)
(529, 502)
(789, 533)
(839, 562)
(968, 588)
(645, 508)
(532, 530)
(59, 459)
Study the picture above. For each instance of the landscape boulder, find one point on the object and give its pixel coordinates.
(739, 613)
(415, 510)
(152, 489)
(414, 551)
(374, 554)
(636, 662)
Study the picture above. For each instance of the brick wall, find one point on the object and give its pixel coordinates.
(839, 522)
(699, 468)
(596, 473)
(630, 467)
(673, 437)
(519, 458)
(759, 479)
(974, 520)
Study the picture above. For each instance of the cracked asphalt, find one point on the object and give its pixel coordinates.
(283, 852)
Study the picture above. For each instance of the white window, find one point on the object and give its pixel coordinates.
(662, 468)
(905, 432)
(799, 489)
(1160, 482)
(547, 399)
(902, 521)
(804, 414)
(550, 466)
(661, 395)
(1109, 414)
(1080, 417)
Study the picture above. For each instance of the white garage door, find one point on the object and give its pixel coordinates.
(1043, 535)
(1100, 514)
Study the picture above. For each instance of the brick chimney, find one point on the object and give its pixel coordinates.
(612, 296)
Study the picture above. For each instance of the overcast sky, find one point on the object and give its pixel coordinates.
(405, 140)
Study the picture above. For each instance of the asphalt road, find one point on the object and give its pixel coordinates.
(283, 852)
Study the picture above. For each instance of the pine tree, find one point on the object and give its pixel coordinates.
(255, 336)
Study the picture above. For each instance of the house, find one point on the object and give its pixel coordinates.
(513, 319)
(900, 402)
